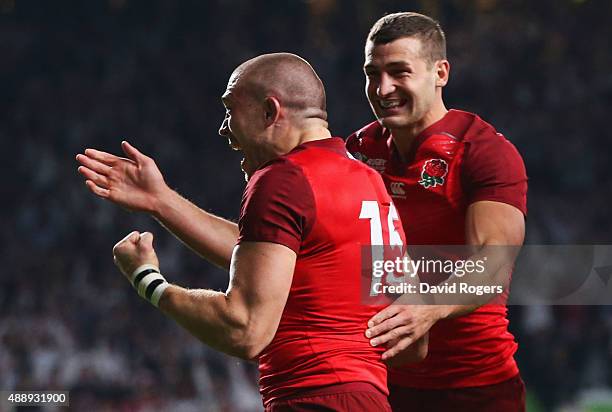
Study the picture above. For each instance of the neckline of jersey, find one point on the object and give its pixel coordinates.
(335, 144)
(452, 121)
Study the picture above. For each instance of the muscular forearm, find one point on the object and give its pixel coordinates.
(210, 236)
(454, 311)
(497, 230)
(474, 288)
(208, 316)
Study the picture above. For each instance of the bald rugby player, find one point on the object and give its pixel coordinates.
(293, 300)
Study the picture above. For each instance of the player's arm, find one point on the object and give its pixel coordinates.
(277, 210)
(243, 320)
(496, 185)
(489, 225)
(210, 236)
(136, 183)
(497, 230)
(495, 182)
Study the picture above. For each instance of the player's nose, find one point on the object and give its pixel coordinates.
(385, 86)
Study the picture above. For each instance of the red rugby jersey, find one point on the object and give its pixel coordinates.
(311, 200)
(456, 161)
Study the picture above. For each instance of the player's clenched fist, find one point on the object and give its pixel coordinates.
(134, 182)
(133, 251)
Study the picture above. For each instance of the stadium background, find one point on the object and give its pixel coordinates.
(79, 74)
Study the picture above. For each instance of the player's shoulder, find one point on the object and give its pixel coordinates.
(478, 130)
(317, 154)
(478, 134)
(371, 132)
(276, 170)
(483, 141)
(320, 159)
(369, 143)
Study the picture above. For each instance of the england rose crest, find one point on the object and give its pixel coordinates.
(433, 173)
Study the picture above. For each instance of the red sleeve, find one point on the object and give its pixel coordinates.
(277, 206)
(494, 170)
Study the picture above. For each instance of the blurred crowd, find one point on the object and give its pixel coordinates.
(89, 74)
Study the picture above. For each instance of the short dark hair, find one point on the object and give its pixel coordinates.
(407, 24)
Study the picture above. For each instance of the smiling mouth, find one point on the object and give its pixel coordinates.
(390, 104)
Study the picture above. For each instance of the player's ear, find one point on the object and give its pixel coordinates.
(272, 110)
(442, 70)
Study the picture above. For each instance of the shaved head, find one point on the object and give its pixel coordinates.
(286, 76)
(273, 103)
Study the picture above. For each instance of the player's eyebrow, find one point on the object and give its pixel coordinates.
(226, 98)
(369, 68)
(401, 63)
(390, 65)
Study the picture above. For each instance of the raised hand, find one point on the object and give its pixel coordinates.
(133, 251)
(135, 182)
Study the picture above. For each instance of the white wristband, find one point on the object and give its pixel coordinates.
(149, 283)
(157, 293)
(142, 268)
(146, 281)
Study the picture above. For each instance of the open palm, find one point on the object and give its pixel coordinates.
(135, 182)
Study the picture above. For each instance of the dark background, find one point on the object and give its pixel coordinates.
(76, 74)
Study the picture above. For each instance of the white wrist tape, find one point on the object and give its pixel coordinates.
(149, 283)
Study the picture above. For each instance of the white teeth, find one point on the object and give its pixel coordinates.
(386, 104)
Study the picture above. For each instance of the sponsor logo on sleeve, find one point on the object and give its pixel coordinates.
(377, 164)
